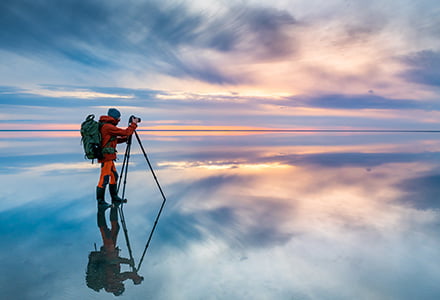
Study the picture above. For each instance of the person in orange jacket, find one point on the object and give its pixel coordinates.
(111, 136)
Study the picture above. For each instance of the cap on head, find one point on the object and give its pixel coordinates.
(114, 113)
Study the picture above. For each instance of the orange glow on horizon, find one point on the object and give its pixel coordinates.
(61, 127)
(40, 126)
(203, 127)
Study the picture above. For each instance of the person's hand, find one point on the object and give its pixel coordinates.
(135, 120)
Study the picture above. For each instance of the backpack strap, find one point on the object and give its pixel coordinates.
(107, 149)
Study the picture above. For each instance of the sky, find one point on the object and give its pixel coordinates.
(221, 64)
(297, 64)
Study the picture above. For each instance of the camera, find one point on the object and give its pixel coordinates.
(134, 118)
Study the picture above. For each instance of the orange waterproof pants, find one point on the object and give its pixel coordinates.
(108, 174)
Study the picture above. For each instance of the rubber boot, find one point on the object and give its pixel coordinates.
(101, 217)
(114, 194)
(100, 193)
(114, 216)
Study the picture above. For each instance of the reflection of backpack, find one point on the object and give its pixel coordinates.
(91, 138)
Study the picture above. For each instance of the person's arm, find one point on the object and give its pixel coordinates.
(131, 275)
(122, 139)
(116, 131)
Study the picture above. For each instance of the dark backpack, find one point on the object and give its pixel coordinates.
(91, 138)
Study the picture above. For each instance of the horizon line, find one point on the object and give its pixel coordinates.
(244, 130)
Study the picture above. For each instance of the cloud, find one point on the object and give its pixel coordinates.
(366, 101)
(55, 246)
(10, 90)
(97, 34)
(253, 160)
(107, 35)
(39, 26)
(16, 163)
(258, 31)
(344, 159)
(424, 67)
(233, 224)
(327, 55)
(422, 192)
(71, 103)
(202, 210)
(71, 95)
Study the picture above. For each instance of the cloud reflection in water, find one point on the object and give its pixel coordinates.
(260, 217)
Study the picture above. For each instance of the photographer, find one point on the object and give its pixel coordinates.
(111, 136)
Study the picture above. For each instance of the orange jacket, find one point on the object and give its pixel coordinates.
(109, 130)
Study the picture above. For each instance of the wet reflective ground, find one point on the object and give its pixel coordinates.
(248, 216)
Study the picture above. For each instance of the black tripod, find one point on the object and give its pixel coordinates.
(124, 172)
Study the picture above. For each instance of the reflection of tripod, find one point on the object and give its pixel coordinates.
(124, 172)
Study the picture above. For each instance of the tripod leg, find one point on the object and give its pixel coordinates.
(161, 207)
(125, 164)
(149, 164)
(126, 159)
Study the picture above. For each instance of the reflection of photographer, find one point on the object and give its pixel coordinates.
(104, 267)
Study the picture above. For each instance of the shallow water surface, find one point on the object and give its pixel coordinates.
(248, 216)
